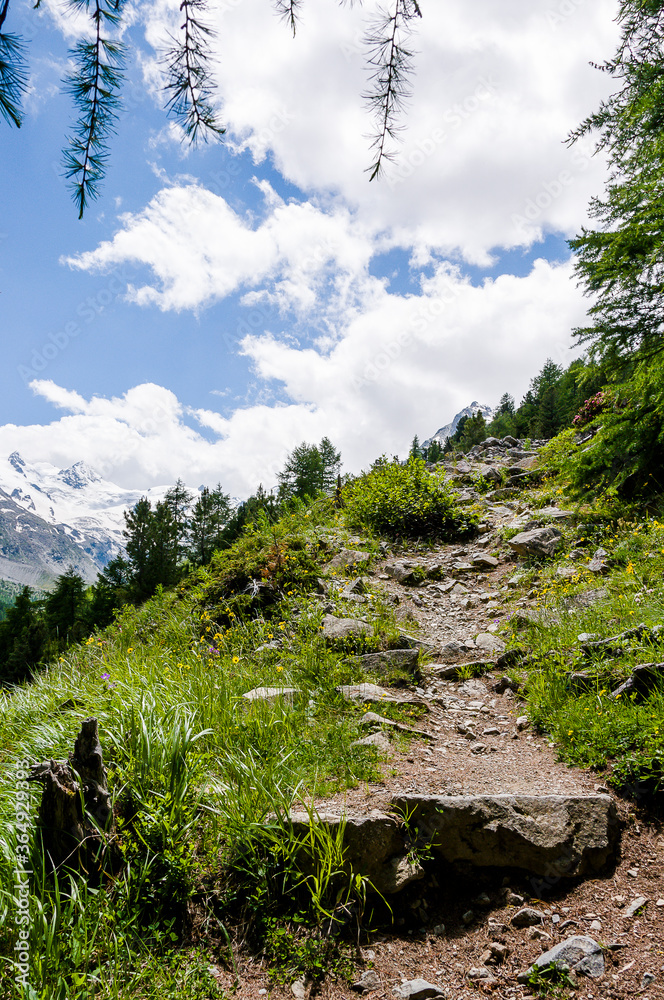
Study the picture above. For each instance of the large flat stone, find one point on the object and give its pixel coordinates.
(547, 835)
(537, 542)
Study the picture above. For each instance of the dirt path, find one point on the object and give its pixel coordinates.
(479, 743)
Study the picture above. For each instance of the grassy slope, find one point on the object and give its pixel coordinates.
(196, 772)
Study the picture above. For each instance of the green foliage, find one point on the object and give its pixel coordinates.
(405, 501)
(619, 261)
(13, 73)
(94, 86)
(309, 470)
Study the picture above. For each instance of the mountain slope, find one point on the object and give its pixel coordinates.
(443, 433)
(51, 518)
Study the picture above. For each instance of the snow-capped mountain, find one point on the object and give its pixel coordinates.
(51, 518)
(443, 433)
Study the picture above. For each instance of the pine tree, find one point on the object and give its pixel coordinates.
(138, 532)
(211, 514)
(179, 500)
(415, 450)
(65, 607)
(330, 460)
(23, 639)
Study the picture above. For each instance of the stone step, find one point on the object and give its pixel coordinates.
(548, 836)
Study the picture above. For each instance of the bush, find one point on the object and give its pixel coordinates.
(405, 501)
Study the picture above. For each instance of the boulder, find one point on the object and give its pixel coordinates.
(400, 659)
(548, 835)
(417, 989)
(337, 629)
(580, 954)
(537, 542)
(406, 571)
(484, 561)
(373, 846)
(347, 558)
(489, 643)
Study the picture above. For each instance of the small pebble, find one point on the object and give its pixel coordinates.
(596, 925)
(555, 919)
(468, 917)
(648, 978)
(633, 872)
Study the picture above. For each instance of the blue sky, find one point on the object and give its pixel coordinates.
(218, 305)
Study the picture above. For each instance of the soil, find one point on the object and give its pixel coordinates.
(432, 934)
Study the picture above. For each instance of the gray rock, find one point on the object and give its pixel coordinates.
(599, 562)
(405, 571)
(485, 562)
(647, 980)
(273, 694)
(369, 980)
(537, 542)
(367, 692)
(581, 955)
(417, 989)
(355, 587)
(645, 677)
(549, 835)
(377, 740)
(337, 629)
(404, 659)
(348, 558)
(371, 844)
(376, 694)
(635, 906)
(451, 651)
(489, 643)
(527, 917)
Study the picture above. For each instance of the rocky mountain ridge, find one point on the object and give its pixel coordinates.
(52, 518)
(445, 432)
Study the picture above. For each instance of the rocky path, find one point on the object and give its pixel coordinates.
(466, 929)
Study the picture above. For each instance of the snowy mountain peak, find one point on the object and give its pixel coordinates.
(17, 462)
(79, 476)
(443, 433)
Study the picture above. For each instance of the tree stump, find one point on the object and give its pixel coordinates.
(75, 817)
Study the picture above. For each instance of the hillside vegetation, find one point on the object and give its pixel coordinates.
(203, 779)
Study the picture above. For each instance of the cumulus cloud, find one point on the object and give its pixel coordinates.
(404, 365)
(201, 250)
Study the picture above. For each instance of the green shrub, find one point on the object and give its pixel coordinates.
(405, 501)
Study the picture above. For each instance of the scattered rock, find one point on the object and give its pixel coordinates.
(369, 980)
(647, 980)
(537, 934)
(299, 989)
(581, 955)
(537, 542)
(635, 906)
(372, 718)
(599, 562)
(406, 572)
(484, 561)
(338, 629)
(522, 723)
(506, 684)
(644, 679)
(376, 694)
(527, 917)
(273, 694)
(378, 740)
(402, 659)
(417, 989)
(347, 558)
(489, 643)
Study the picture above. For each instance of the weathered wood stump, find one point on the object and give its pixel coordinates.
(75, 814)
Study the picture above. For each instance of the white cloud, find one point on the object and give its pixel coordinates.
(404, 365)
(201, 250)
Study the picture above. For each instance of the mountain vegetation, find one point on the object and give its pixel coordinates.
(221, 659)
